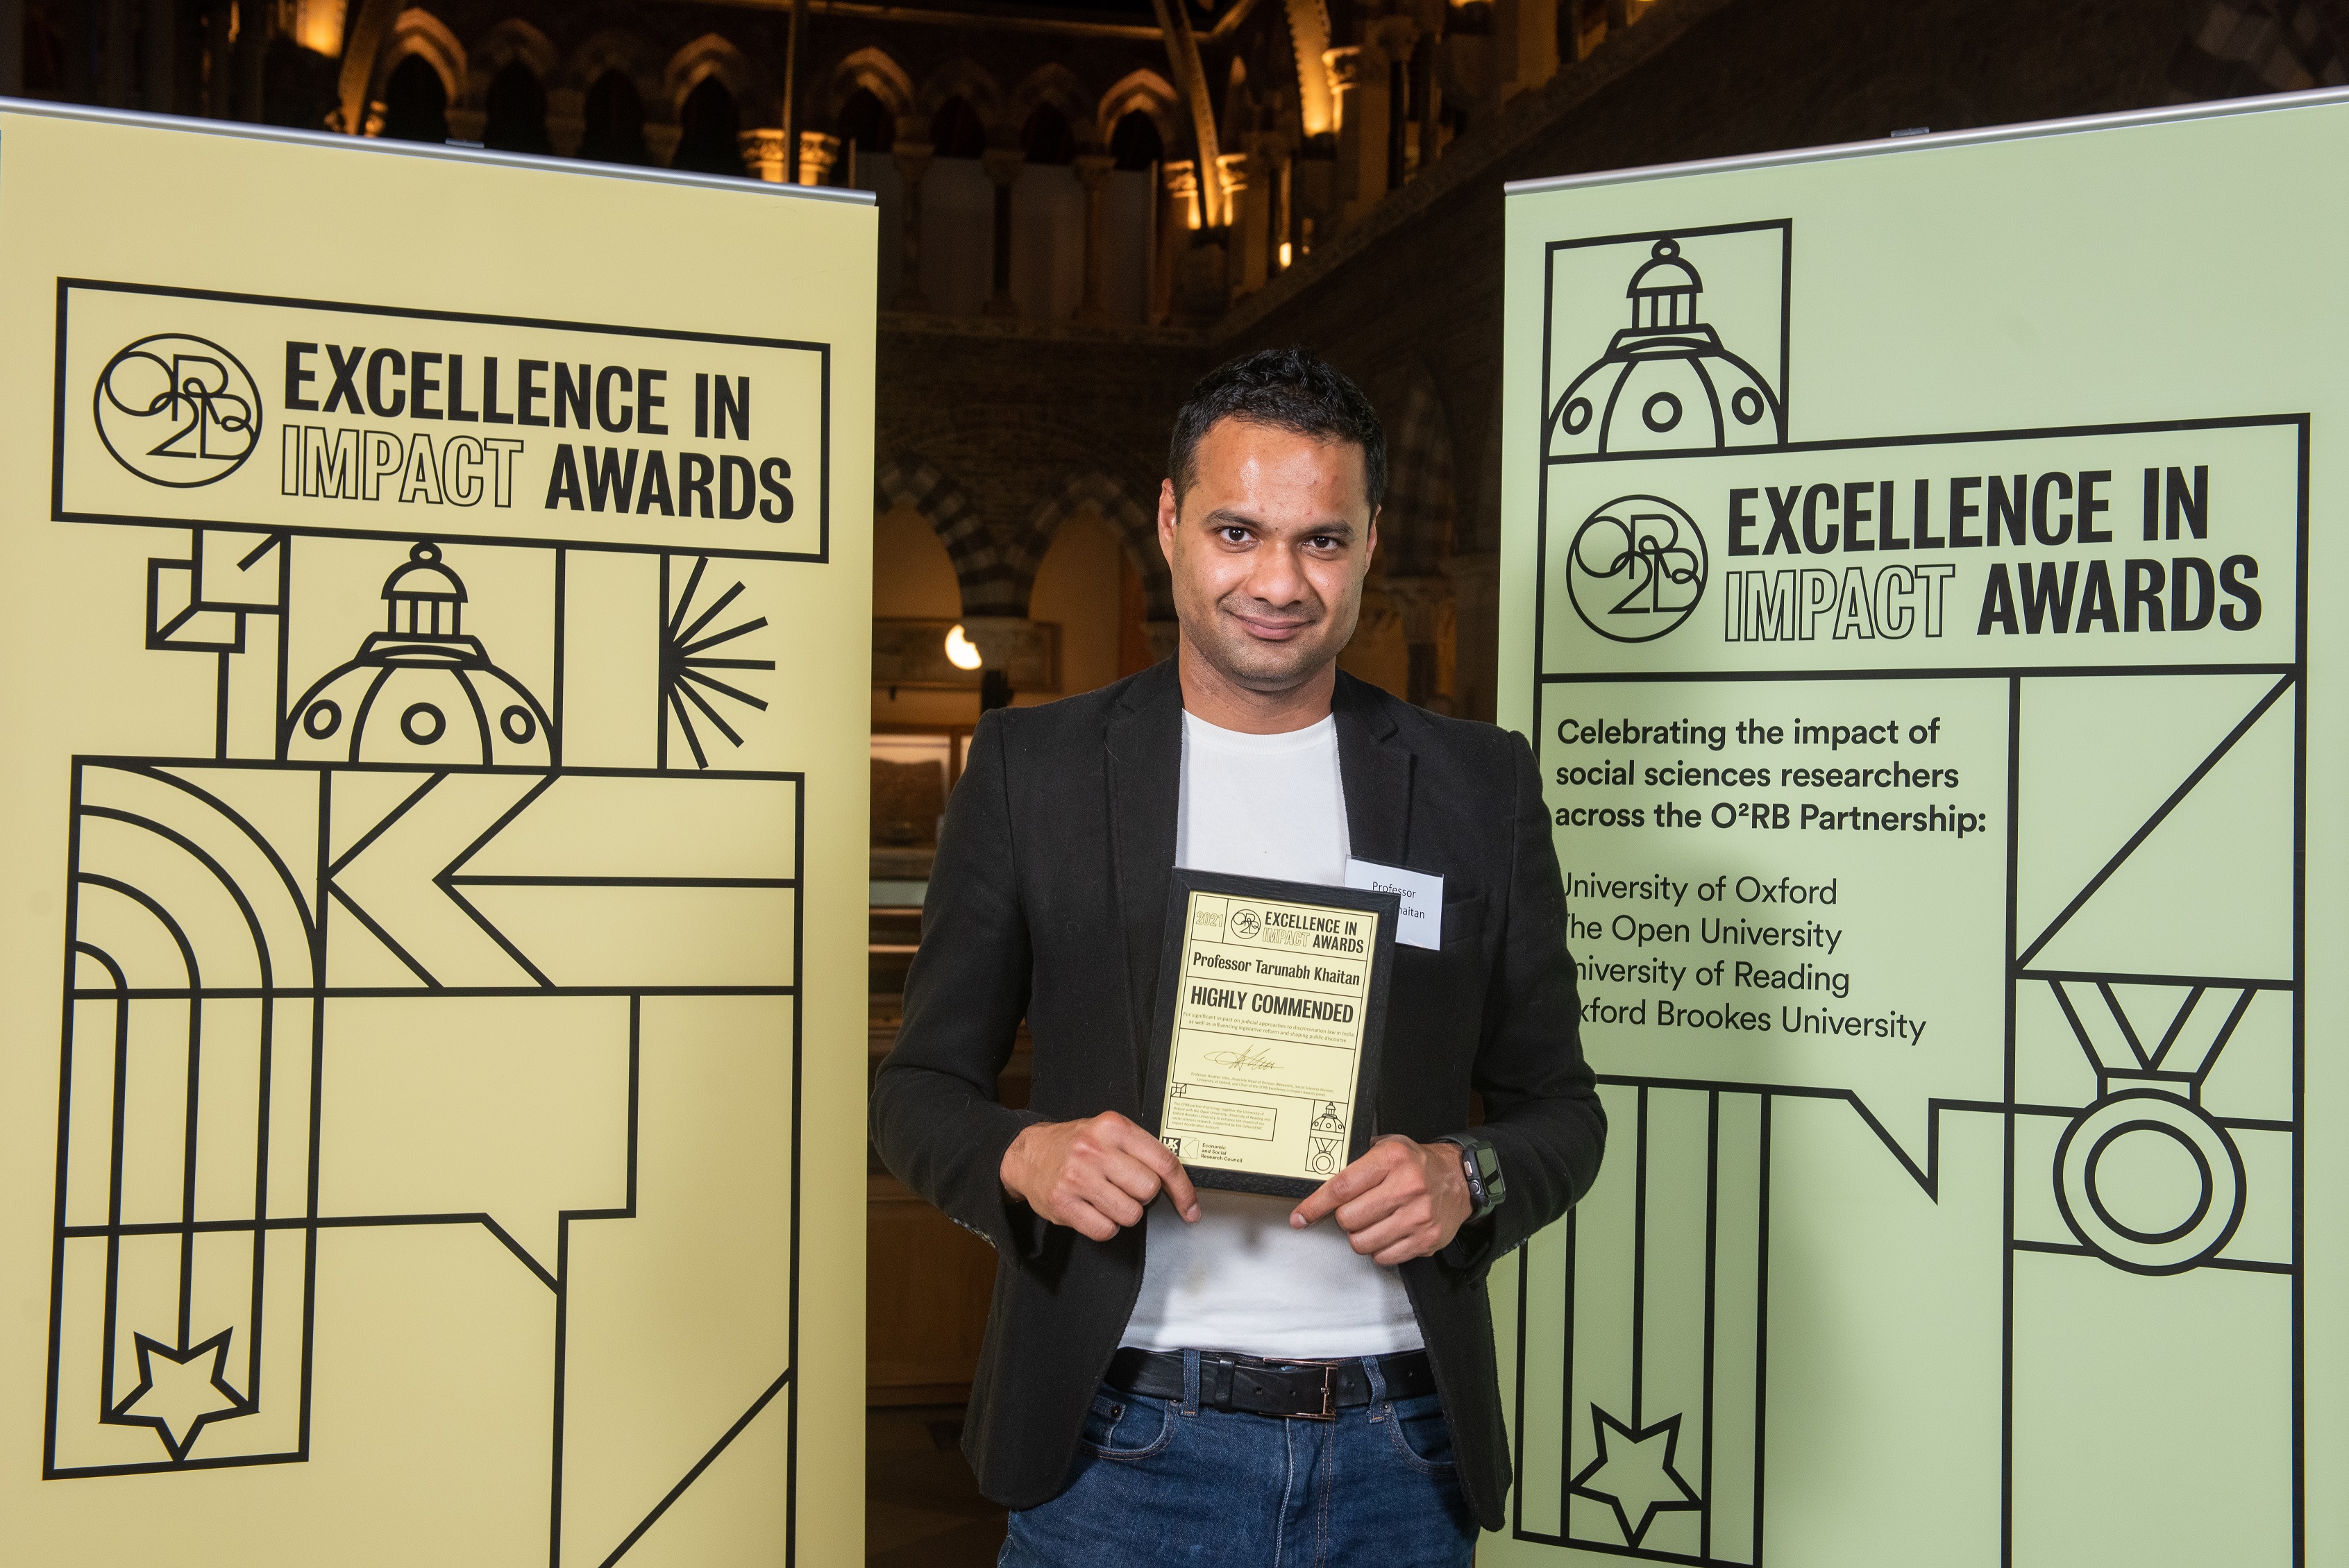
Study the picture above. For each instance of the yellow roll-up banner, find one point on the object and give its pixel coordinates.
(434, 676)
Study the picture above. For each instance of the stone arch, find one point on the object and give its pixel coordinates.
(871, 70)
(511, 40)
(993, 583)
(1147, 91)
(712, 56)
(367, 30)
(968, 80)
(1057, 84)
(417, 31)
(1137, 526)
(613, 50)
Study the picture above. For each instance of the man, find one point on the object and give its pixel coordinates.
(1162, 1364)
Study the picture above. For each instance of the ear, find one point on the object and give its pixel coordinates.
(1167, 513)
(1370, 550)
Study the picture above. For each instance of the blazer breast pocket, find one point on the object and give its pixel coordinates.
(1463, 919)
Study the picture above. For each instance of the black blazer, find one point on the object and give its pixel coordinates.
(1048, 902)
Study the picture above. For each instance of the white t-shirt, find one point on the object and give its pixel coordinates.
(1239, 1278)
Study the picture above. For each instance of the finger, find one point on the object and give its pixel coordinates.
(1179, 1191)
(1111, 1200)
(1370, 1239)
(1403, 1251)
(1130, 1176)
(1351, 1182)
(1084, 1219)
(1172, 1177)
(1385, 1199)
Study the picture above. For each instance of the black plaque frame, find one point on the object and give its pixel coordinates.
(1387, 906)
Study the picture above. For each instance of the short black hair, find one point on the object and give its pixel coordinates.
(1291, 389)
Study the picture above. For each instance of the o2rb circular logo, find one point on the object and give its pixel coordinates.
(178, 410)
(1246, 922)
(1636, 569)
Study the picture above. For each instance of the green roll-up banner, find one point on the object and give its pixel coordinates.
(1915, 557)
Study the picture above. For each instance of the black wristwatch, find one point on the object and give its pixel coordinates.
(1481, 1164)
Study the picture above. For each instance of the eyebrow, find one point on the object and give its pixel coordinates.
(1225, 517)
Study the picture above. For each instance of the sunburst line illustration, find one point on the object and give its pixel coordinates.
(684, 661)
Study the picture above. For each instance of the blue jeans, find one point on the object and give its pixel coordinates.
(1166, 1481)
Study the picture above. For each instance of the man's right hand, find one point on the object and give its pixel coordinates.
(1094, 1176)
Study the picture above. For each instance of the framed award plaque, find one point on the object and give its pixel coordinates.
(1272, 995)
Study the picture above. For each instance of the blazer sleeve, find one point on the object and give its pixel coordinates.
(935, 1117)
(1541, 1105)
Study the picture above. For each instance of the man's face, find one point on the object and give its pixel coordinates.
(1269, 551)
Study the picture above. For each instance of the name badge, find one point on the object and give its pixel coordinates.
(1422, 924)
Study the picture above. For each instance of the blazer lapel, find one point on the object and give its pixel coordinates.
(1376, 768)
(1144, 737)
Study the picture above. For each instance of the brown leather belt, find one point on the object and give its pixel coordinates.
(1315, 1391)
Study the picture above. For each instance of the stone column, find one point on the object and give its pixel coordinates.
(160, 46)
(1357, 85)
(118, 60)
(1093, 171)
(1580, 40)
(762, 154)
(1279, 181)
(661, 138)
(819, 155)
(1002, 165)
(913, 160)
(1178, 217)
(566, 121)
(1427, 98)
(1526, 34)
(12, 47)
(219, 69)
(256, 25)
(1244, 200)
(1396, 37)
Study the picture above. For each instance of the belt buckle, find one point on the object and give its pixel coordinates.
(1328, 1410)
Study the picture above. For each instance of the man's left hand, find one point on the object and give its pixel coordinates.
(1400, 1201)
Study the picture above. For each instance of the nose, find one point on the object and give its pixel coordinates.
(1274, 578)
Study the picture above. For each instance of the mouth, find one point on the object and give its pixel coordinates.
(1267, 629)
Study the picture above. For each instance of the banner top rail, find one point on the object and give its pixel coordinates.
(2022, 131)
(477, 155)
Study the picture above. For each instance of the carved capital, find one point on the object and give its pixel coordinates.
(1395, 37)
(1348, 66)
(1232, 170)
(1093, 168)
(762, 154)
(819, 152)
(913, 160)
(1271, 148)
(1002, 163)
